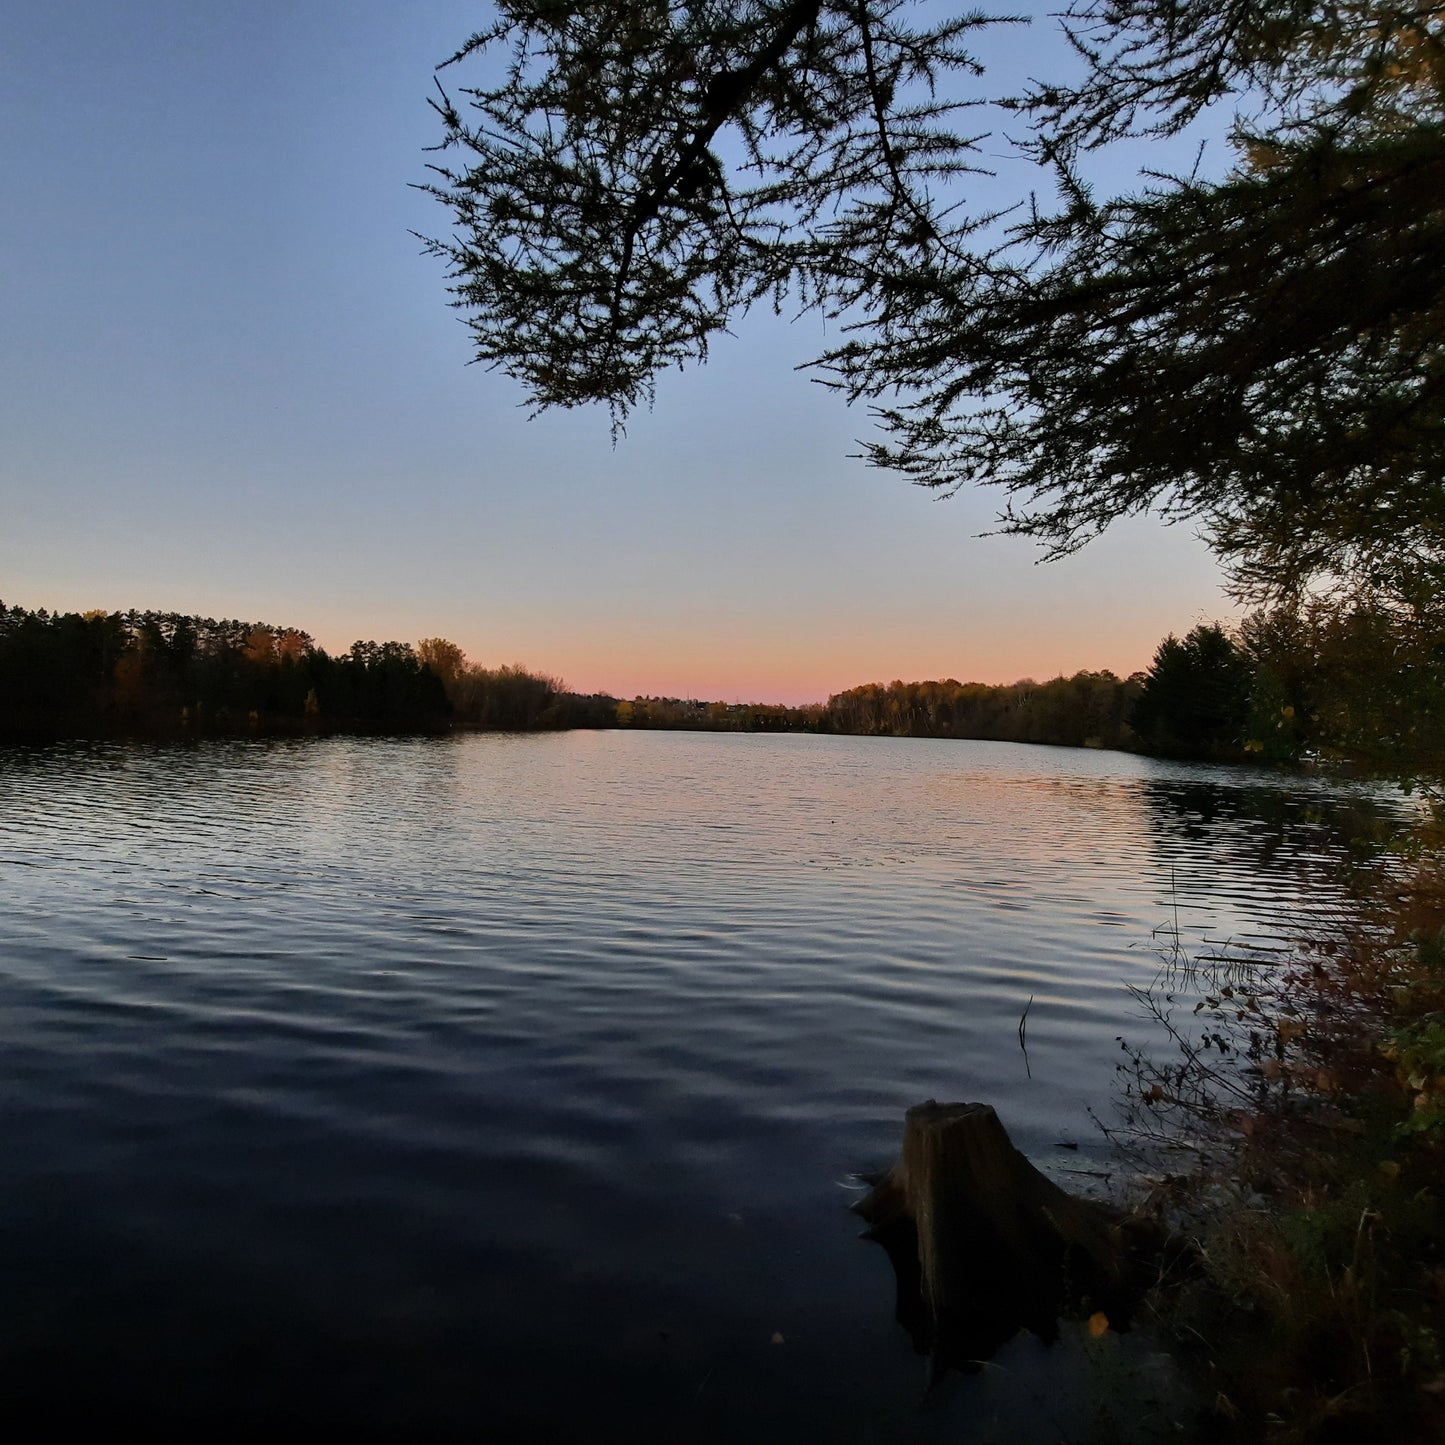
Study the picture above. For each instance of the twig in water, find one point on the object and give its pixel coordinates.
(1023, 1035)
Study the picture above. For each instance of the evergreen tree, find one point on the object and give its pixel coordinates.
(1264, 352)
(1196, 696)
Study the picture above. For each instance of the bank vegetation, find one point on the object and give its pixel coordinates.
(1357, 677)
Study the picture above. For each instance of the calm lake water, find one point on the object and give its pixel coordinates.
(509, 1085)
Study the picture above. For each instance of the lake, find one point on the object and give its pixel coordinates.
(513, 1085)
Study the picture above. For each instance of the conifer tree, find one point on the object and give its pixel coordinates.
(1263, 352)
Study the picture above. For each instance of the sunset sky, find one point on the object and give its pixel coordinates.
(230, 384)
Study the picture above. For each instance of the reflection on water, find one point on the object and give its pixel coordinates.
(504, 1083)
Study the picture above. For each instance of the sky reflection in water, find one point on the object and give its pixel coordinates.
(498, 1082)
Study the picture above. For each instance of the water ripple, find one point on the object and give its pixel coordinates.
(381, 1084)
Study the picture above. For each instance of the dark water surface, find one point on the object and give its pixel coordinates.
(505, 1086)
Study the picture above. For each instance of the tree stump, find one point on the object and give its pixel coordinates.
(984, 1244)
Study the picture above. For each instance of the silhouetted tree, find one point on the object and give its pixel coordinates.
(1360, 674)
(74, 673)
(1196, 696)
(509, 698)
(1088, 709)
(444, 658)
(1264, 352)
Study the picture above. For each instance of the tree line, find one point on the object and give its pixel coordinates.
(1360, 677)
(88, 673)
(1356, 679)
(1089, 709)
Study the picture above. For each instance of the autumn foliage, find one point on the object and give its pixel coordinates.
(69, 674)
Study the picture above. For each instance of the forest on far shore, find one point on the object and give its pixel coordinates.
(1360, 681)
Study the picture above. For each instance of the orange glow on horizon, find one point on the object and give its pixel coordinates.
(796, 671)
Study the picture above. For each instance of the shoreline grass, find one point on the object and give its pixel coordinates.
(1308, 1101)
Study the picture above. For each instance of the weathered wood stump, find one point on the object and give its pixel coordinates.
(983, 1244)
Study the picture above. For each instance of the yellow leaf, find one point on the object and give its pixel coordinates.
(1098, 1324)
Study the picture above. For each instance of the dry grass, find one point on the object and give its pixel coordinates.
(1308, 1101)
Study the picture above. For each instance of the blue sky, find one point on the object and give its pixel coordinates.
(230, 383)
